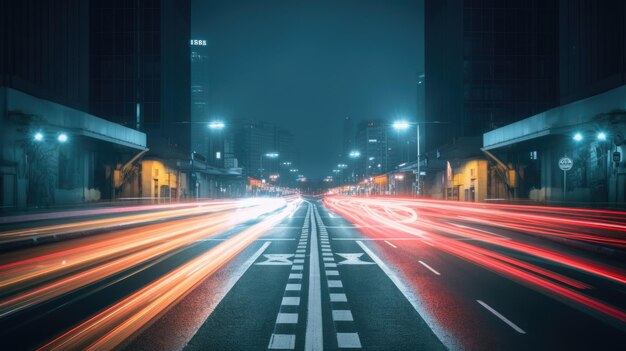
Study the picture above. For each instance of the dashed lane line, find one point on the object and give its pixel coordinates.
(412, 299)
(343, 322)
(429, 267)
(503, 318)
(390, 244)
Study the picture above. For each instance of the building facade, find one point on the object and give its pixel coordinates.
(505, 69)
(140, 68)
(53, 151)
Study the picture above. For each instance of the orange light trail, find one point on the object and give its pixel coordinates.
(115, 324)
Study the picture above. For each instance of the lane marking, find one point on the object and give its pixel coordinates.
(338, 298)
(335, 284)
(342, 316)
(276, 260)
(293, 287)
(429, 267)
(330, 215)
(390, 244)
(290, 301)
(353, 258)
(287, 318)
(413, 300)
(503, 318)
(314, 338)
(348, 340)
(282, 342)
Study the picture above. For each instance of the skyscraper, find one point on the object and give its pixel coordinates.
(505, 69)
(140, 67)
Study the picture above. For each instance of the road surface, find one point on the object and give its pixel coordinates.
(315, 274)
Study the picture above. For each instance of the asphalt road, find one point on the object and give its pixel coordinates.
(312, 280)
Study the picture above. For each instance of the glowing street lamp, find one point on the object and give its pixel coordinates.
(601, 136)
(38, 136)
(216, 125)
(400, 125)
(354, 154)
(62, 138)
(578, 137)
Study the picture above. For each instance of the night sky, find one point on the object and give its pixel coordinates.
(305, 65)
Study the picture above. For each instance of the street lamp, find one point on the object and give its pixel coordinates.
(402, 125)
(216, 125)
(38, 136)
(601, 136)
(578, 137)
(62, 137)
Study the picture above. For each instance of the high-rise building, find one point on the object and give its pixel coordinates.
(44, 50)
(505, 69)
(200, 135)
(140, 67)
(380, 146)
(51, 150)
(592, 47)
(253, 141)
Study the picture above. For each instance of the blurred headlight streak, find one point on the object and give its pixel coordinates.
(110, 327)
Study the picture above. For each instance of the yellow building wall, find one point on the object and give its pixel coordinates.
(471, 173)
(154, 175)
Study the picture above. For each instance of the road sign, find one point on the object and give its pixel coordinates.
(617, 156)
(566, 163)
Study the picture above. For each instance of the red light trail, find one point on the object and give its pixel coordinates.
(447, 225)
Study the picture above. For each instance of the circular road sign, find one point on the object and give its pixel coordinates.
(566, 163)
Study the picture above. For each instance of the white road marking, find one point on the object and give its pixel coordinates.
(342, 316)
(299, 260)
(429, 267)
(330, 265)
(338, 298)
(295, 275)
(287, 318)
(282, 342)
(330, 215)
(297, 267)
(408, 294)
(352, 258)
(290, 301)
(299, 256)
(293, 287)
(390, 244)
(348, 340)
(276, 260)
(314, 337)
(335, 284)
(333, 273)
(328, 259)
(503, 318)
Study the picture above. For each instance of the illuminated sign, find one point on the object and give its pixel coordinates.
(198, 42)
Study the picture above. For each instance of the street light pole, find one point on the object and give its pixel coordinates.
(419, 173)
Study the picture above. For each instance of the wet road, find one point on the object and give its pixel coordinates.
(307, 274)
